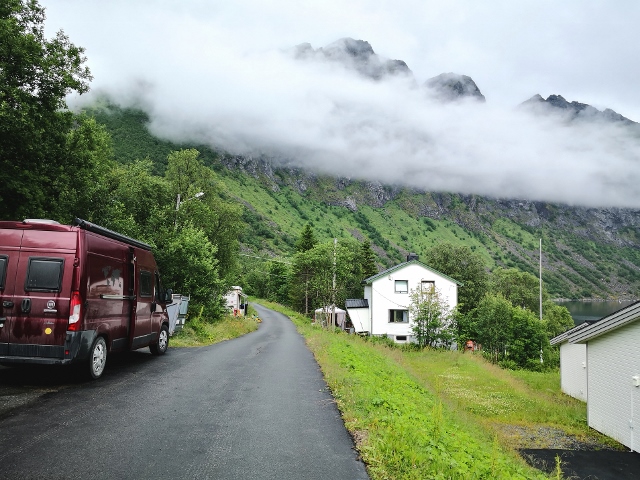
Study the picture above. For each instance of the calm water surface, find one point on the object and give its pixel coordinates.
(583, 311)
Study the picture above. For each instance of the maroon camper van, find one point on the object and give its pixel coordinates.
(71, 294)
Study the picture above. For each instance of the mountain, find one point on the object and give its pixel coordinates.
(587, 252)
(451, 87)
(356, 55)
(556, 104)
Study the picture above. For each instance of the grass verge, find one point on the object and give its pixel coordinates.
(402, 426)
(197, 332)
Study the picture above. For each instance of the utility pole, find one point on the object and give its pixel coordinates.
(333, 290)
(540, 270)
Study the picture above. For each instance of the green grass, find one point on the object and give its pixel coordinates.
(198, 333)
(497, 398)
(403, 426)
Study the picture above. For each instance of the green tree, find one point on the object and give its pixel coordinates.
(367, 259)
(307, 239)
(528, 340)
(491, 326)
(213, 212)
(510, 335)
(556, 318)
(187, 261)
(431, 319)
(36, 75)
(311, 281)
(462, 264)
(277, 282)
(136, 203)
(522, 289)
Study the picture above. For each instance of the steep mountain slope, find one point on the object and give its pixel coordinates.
(587, 252)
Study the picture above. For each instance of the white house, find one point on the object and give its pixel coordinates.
(384, 310)
(234, 299)
(613, 374)
(573, 364)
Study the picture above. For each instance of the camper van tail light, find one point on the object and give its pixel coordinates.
(74, 312)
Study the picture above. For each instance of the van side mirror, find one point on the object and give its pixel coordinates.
(168, 293)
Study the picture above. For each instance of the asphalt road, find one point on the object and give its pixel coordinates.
(252, 408)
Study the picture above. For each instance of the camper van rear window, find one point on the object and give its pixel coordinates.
(146, 284)
(44, 274)
(3, 270)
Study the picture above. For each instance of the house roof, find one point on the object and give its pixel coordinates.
(404, 264)
(356, 303)
(563, 337)
(611, 322)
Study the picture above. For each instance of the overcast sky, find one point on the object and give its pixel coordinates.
(215, 72)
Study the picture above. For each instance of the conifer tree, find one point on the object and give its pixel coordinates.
(367, 259)
(307, 239)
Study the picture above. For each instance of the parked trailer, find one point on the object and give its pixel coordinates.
(72, 294)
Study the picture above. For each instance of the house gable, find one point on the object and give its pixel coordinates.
(389, 271)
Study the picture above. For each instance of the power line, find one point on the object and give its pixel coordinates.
(265, 258)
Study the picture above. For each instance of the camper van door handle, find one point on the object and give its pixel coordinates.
(26, 305)
(7, 304)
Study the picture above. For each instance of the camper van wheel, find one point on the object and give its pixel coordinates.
(97, 358)
(161, 345)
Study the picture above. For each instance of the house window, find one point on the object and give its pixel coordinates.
(398, 316)
(402, 286)
(427, 285)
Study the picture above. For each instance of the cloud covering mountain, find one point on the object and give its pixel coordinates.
(343, 109)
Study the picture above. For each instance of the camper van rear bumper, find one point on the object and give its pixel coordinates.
(75, 348)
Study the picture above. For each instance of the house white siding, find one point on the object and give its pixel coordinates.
(573, 370)
(613, 405)
(384, 297)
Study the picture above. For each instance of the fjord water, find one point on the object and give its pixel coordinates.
(581, 311)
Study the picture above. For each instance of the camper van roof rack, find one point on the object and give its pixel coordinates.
(92, 227)
(40, 220)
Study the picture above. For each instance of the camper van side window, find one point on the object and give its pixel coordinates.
(158, 288)
(44, 274)
(3, 270)
(146, 285)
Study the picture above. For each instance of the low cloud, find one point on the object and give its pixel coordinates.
(203, 83)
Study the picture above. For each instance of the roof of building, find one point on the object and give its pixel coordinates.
(404, 264)
(611, 322)
(356, 303)
(563, 337)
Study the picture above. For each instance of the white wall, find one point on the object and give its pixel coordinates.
(613, 404)
(360, 318)
(573, 370)
(384, 298)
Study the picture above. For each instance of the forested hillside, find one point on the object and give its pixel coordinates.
(586, 252)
